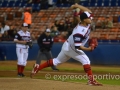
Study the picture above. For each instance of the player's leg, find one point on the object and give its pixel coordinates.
(20, 60)
(82, 57)
(62, 57)
(25, 57)
(38, 61)
(49, 56)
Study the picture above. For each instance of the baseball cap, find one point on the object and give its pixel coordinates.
(25, 25)
(47, 30)
(85, 15)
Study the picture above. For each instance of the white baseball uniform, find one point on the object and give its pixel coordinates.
(79, 37)
(21, 49)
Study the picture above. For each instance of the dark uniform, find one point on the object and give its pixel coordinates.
(45, 44)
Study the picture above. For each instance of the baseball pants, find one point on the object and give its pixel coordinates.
(67, 52)
(22, 55)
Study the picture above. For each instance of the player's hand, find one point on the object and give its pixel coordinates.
(24, 42)
(93, 42)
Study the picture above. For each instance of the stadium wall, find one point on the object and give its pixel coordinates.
(104, 54)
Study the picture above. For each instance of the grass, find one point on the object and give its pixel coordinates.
(104, 82)
(97, 70)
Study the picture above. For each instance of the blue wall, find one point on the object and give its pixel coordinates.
(108, 54)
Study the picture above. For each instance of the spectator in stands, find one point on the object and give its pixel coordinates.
(44, 4)
(12, 32)
(6, 37)
(100, 22)
(57, 23)
(108, 23)
(69, 25)
(28, 17)
(3, 27)
(54, 31)
(61, 28)
(50, 3)
(93, 25)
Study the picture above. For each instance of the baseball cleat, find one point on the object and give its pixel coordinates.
(34, 70)
(21, 75)
(94, 83)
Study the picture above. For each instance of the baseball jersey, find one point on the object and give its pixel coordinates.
(79, 36)
(22, 36)
(45, 42)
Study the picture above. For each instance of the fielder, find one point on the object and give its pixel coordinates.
(74, 47)
(22, 40)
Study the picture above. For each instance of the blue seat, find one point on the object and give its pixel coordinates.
(99, 4)
(92, 4)
(99, 1)
(17, 4)
(93, 1)
(54, 1)
(114, 0)
(118, 4)
(36, 7)
(11, 4)
(106, 4)
(22, 4)
(4, 5)
(84, 3)
(29, 5)
(113, 4)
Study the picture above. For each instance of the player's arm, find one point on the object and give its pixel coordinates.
(17, 39)
(81, 8)
(78, 38)
(39, 40)
(85, 48)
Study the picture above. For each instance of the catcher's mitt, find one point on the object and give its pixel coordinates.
(93, 43)
(30, 44)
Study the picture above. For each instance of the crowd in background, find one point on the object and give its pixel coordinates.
(60, 29)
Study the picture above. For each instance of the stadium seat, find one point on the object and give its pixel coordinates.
(11, 4)
(93, 4)
(22, 4)
(111, 36)
(10, 16)
(106, 4)
(18, 14)
(113, 3)
(2, 18)
(84, 3)
(4, 4)
(36, 7)
(103, 36)
(99, 4)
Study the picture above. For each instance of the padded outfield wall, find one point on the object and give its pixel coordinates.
(105, 53)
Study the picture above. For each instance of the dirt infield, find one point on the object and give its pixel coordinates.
(38, 84)
(9, 80)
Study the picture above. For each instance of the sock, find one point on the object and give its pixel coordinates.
(88, 70)
(19, 68)
(22, 69)
(46, 64)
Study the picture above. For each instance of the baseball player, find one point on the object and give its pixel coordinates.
(21, 39)
(74, 47)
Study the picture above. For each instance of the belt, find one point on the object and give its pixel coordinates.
(22, 48)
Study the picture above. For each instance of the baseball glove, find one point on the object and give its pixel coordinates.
(30, 44)
(93, 43)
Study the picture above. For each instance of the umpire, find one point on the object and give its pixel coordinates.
(45, 42)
